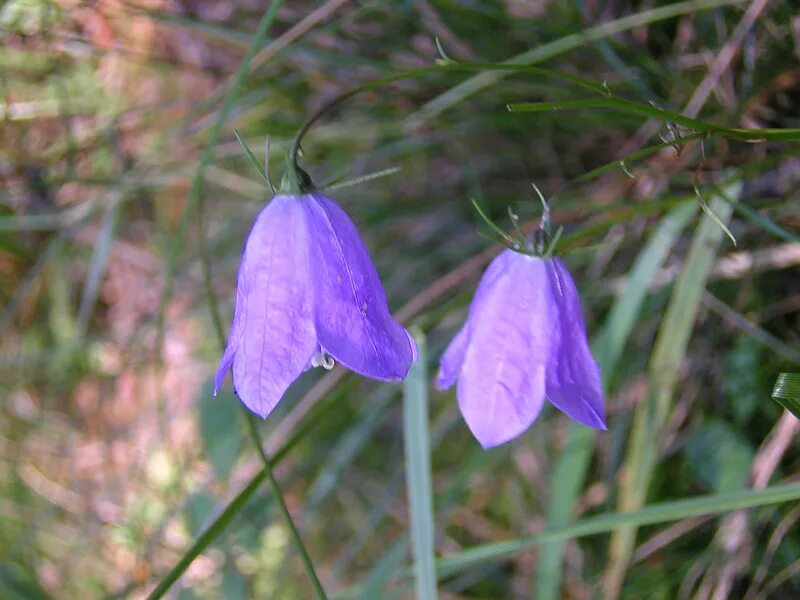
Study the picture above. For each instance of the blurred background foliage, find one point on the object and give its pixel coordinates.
(119, 458)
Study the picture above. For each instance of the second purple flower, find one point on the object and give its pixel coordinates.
(524, 340)
(308, 293)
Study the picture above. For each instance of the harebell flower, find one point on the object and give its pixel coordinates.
(308, 294)
(524, 340)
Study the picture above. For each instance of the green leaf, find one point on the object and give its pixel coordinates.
(418, 473)
(787, 392)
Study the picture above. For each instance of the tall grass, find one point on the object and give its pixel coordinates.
(125, 202)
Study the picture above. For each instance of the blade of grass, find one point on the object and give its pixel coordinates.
(751, 329)
(97, 267)
(610, 522)
(787, 392)
(464, 90)
(622, 163)
(663, 512)
(573, 462)
(418, 473)
(663, 373)
(647, 110)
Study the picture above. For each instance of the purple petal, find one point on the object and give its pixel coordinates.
(452, 359)
(272, 336)
(351, 317)
(573, 377)
(234, 338)
(502, 381)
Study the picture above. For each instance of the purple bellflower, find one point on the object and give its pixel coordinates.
(524, 340)
(308, 294)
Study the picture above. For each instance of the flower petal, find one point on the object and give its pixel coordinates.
(573, 377)
(272, 337)
(234, 339)
(452, 359)
(501, 386)
(351, 317)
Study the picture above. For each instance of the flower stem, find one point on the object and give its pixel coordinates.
(276, 492)
(468, 67)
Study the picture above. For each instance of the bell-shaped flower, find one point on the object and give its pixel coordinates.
(308, 294)
(524, 340)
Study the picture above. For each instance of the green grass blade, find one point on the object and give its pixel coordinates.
(663, 512)
(573, 462)
(663, 373)
(657, 513)
(350, 444)
(787, 392)
(766, 224)
(473, 85)
(97, 268)
(418, 473)
(625, 310)
(648, 111)
(624, 163)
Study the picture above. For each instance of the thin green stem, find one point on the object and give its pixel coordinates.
(276, 491)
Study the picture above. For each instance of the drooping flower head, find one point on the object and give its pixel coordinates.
(524, 341)
(307, 294)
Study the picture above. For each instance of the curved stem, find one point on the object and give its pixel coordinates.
(469, 67)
